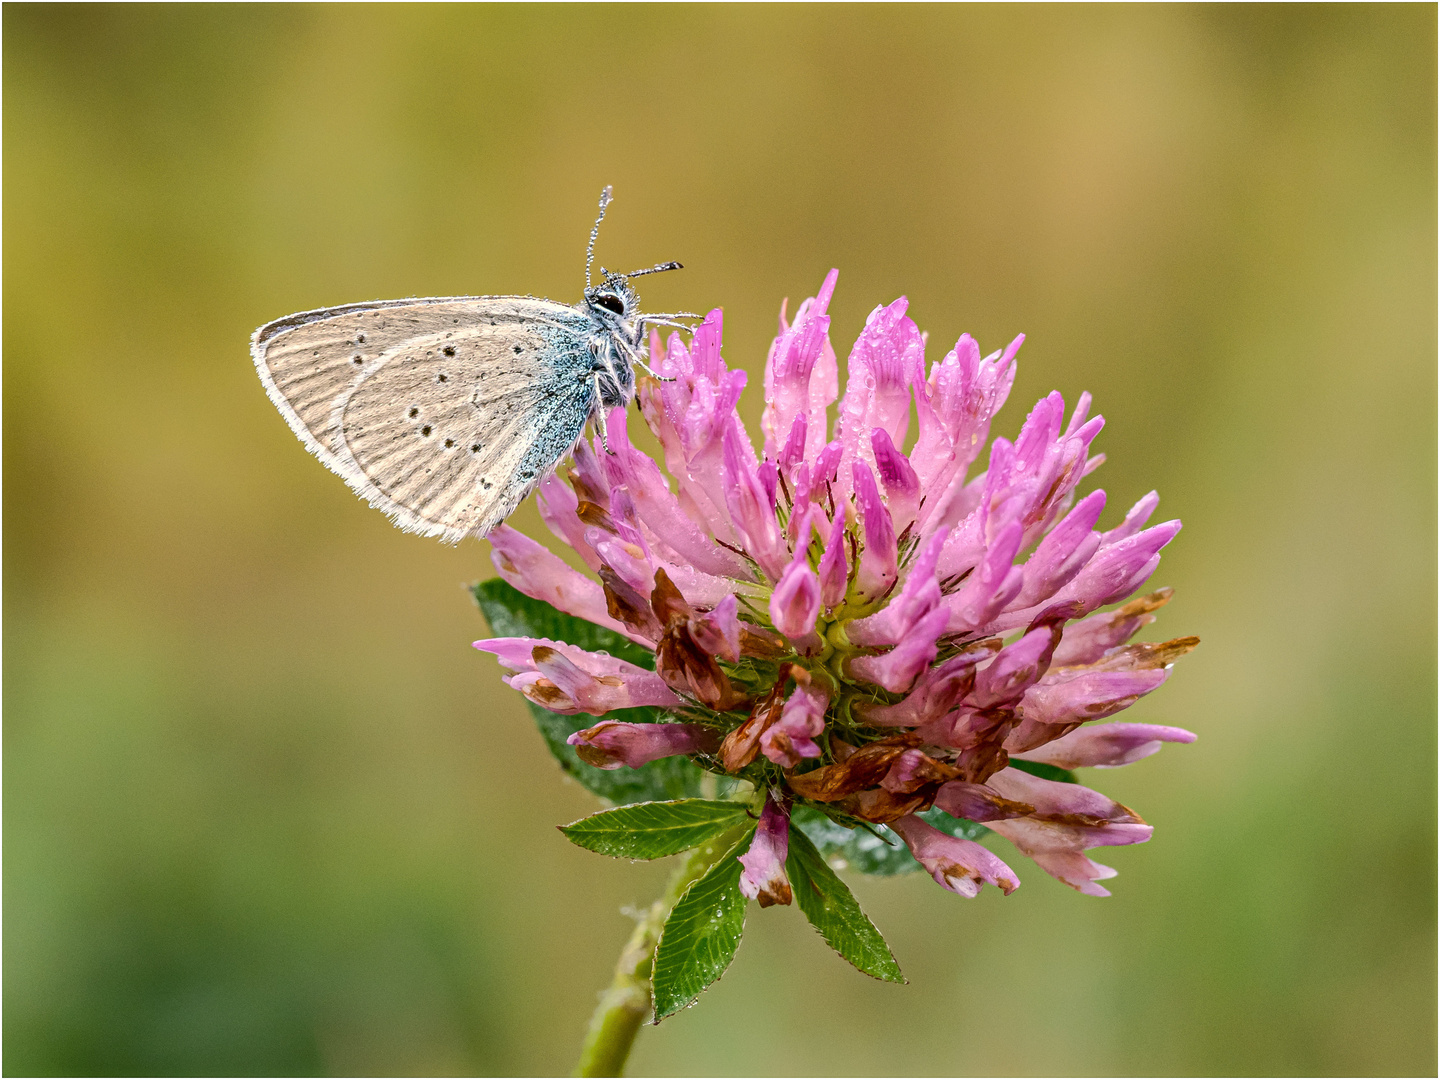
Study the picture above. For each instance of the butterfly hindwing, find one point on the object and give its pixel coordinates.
(443, 413)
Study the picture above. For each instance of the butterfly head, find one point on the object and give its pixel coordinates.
(613, 302)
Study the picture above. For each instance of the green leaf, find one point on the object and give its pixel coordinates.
(511, 613)
(701, 935)
(652, 830)
(1045, 772)
(833, 910)
(884, 855)
(862, 850)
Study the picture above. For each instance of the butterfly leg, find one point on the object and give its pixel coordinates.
(653, 372)
(639, 360)
(600, 425)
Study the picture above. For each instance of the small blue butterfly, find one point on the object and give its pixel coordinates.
(446, 412)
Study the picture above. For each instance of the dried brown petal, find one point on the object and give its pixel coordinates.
(1143, 605)
(1145, 655)
(760, 643)
(915, 770)
(594, 514)
(882, 807)
(586, 493)
(980, 763)
(691, 670)
(863, 769)
(628, 606)
(667, 601)
(741, 745)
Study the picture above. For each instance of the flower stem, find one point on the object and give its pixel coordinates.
(625, 1005)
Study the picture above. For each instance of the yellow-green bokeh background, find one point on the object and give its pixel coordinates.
(267, 812)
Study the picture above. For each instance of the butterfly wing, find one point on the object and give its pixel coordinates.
(444, 413)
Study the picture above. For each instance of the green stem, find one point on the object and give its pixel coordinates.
(626, 1004)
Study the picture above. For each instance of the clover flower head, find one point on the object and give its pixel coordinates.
(874, 627)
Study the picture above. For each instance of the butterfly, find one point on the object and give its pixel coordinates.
(446, 412)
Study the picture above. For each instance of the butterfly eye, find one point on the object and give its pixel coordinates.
(610, 302)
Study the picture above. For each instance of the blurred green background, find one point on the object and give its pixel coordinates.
(268, 812)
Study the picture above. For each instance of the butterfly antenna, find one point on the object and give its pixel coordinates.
(657, 269)
(605, 197)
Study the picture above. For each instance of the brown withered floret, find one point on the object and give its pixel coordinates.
(865, 768)
(679, 660)
(741, 745)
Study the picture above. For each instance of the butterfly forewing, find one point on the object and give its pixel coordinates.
(443, 413)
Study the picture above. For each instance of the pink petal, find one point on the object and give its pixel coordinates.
(938, 691)
(1015, 668)
(764, 877)
(1134, 520)
(878, 569)
(1089, 639)
(888, 359)
(793, 453)
(994, 583)
(834, 572)
(796, 374)
(752, 508)
(1106, 746)
(1078, 871)
(795, 603)
(1118, 570)
(976, 802)
(542, 576)
(1078, 818)
(516, 653)
(1111, 575)
(558, 503)
(568, 680)
(718, 631)
(612, 743)
(918, 597)
(1063, 551)
(792, 738)
(1077, 695)
(962, 866)
(897, 669)
(902, 486)
(661, 510)
(955, 408)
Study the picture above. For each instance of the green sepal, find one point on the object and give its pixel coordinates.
(652, 830)
(1045, 772)
(511, 613)
(833, 910)
(701, 935)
